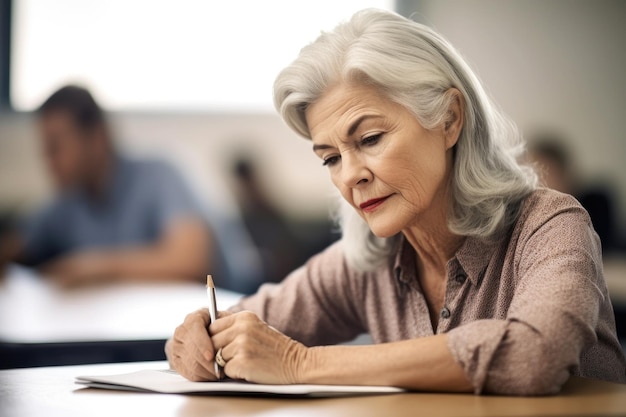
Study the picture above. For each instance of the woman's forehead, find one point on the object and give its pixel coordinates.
(338, 106)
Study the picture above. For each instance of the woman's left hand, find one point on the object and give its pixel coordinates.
(256, 352)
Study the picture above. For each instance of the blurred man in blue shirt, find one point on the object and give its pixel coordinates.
(112, 218)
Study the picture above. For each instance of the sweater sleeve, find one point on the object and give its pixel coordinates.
(315, 305)
(552, 317)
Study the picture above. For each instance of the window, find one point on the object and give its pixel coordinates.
(165, 55)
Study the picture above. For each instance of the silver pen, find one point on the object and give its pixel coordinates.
(210, 292)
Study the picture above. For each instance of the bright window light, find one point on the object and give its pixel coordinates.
(165, 55)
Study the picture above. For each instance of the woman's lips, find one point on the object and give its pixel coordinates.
(373, 204)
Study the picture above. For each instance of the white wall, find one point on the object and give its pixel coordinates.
(549, 63)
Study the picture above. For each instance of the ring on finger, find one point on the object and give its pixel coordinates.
(219, 359)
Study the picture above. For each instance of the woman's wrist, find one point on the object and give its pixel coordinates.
(310, 365)
(301, 361)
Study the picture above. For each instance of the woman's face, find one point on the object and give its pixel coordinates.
(385, 164)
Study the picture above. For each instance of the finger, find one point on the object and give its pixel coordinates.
(193, 344)
(227, 336)
(237, 342)
(223, 323)
(197, 372)
(236, 355)
(238, 324)
(194, 335)
(222, 314)
(193, 371)
(231, 369)
(201, 314)
(189, 363)
(229, 351)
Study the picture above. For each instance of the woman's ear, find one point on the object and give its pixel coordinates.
(455, 118)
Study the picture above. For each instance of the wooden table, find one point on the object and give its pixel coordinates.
(51, 392)
(41, 324)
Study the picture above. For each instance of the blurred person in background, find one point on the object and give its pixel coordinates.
(278, 246)
(556, 168)
(112, 218)
(283, 243)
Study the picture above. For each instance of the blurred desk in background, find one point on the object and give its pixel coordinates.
(43, 325)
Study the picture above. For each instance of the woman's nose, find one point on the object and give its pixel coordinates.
(354, 171)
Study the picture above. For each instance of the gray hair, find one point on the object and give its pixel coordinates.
(415, 67)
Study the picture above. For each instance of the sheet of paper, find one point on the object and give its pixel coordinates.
(169, 382)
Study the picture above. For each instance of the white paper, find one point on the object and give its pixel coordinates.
(169, 382)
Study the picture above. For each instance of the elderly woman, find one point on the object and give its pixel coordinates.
(467, 276)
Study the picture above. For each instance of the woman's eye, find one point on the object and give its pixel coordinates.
(371, 140)
(330, 161)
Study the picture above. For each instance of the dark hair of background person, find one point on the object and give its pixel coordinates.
(76, 101)
(284, 244)
(597, 198)
(556, 152)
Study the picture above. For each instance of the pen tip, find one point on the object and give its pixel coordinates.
(209, 281)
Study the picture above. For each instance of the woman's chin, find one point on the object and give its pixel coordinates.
(384, 231)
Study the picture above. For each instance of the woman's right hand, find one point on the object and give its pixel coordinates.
(190, 351)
